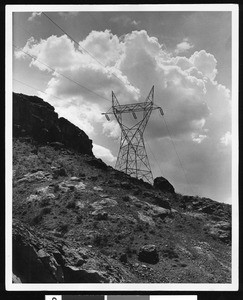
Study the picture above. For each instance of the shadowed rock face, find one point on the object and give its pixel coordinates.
(163, 185)
(36, 118)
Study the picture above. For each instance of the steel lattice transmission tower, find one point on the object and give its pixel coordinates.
(132, 158)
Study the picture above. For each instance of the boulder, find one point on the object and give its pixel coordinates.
(163, 185)
(106, 202)
(146, 219)
(148, 254)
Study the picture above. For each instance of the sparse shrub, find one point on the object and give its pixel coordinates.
(123, 258)
(56, 188)
(146, 236)
(125, 198)
(45, 202)
(36, 220)
(95, 224)
(71, 204)
(170, 251)
(131, 239)
(63, 228)
(136, 192)
(79, 219)
(129, 251)
(106, 252)
(45, 211)
(100, 240)
(139, 227)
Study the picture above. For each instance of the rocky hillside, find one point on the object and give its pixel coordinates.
(77, 220)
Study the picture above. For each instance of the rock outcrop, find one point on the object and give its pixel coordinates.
(57, 262)
(34, 117)
(148, 254)
(163, 185)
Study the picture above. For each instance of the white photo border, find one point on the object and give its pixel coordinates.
(233, 286)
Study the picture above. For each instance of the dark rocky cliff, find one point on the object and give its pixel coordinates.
(36, 118)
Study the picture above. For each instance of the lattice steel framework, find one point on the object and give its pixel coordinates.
(132, 158)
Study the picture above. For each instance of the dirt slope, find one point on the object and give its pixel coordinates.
(77, 220)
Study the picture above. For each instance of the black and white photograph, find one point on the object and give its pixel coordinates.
(122, 147)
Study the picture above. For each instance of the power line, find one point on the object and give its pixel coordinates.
(35, 88)
(155, 159)
(79, 46)
(82, 86)
(187, 181)
(90, 54)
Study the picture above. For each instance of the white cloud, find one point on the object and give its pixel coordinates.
(184, 46)
(205, 63)
(111, 129)
(198, 138)
(34, 15)
(104, 46)
(103, 153)
(226, 139)
(197, 108)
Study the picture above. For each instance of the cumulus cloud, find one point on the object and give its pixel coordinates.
(34, 15)
(103, 153)
(197, 108)
(104, 46)
(184, 46)
(198, 138)
(205, 63)
(226, 139)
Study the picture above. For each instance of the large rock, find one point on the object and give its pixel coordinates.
(34, 117)
(106, 202)
(163, 185)
(146, 219)
(148, 254)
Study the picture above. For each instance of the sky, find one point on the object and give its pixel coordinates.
(185, 55)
